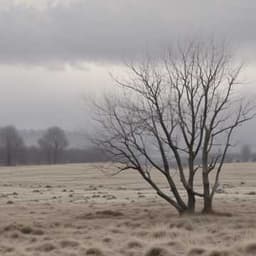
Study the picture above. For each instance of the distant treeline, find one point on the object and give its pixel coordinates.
(33, 155)
(51, 148)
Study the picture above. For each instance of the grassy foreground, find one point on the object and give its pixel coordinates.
(75, 210)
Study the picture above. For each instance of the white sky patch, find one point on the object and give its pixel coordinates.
(37, 4)
(37, 97)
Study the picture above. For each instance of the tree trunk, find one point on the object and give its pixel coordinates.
(189, 209)
(207, 205)
(55, 155)
(191, 202)
(207, 197)
(190, 189)
(205, 176)
(9, 158)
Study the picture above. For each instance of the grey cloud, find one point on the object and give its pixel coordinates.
(37, 97)
(96, 30)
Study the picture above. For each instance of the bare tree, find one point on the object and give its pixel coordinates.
(246, 153)
(11, 143)
(52, 143)
(175, 117)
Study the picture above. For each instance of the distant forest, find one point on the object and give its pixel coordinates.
(56, 146)
(52, 146)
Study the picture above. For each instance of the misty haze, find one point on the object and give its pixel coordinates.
(127, 128)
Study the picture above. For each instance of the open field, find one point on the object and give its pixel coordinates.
(73, 210)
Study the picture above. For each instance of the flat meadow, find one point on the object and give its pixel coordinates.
(82, 209)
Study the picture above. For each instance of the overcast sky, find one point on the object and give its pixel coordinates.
(54, 54)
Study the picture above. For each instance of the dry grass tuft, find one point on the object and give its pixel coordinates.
(101, 215)
(159, 234)
(157, 251)
(25, 229)
(29, 230)
(141, 233)
(6, 249)
(14, 235)
(221, 253)
(134, 244)
(196, 251)
(94, 252)
(69, 244)
(9, 227)
(183, 224)
(46, 247)
(109, 213)
(250, 248)
(107, 240)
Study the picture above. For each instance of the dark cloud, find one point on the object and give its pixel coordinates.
(110, 30)
(54, 32)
